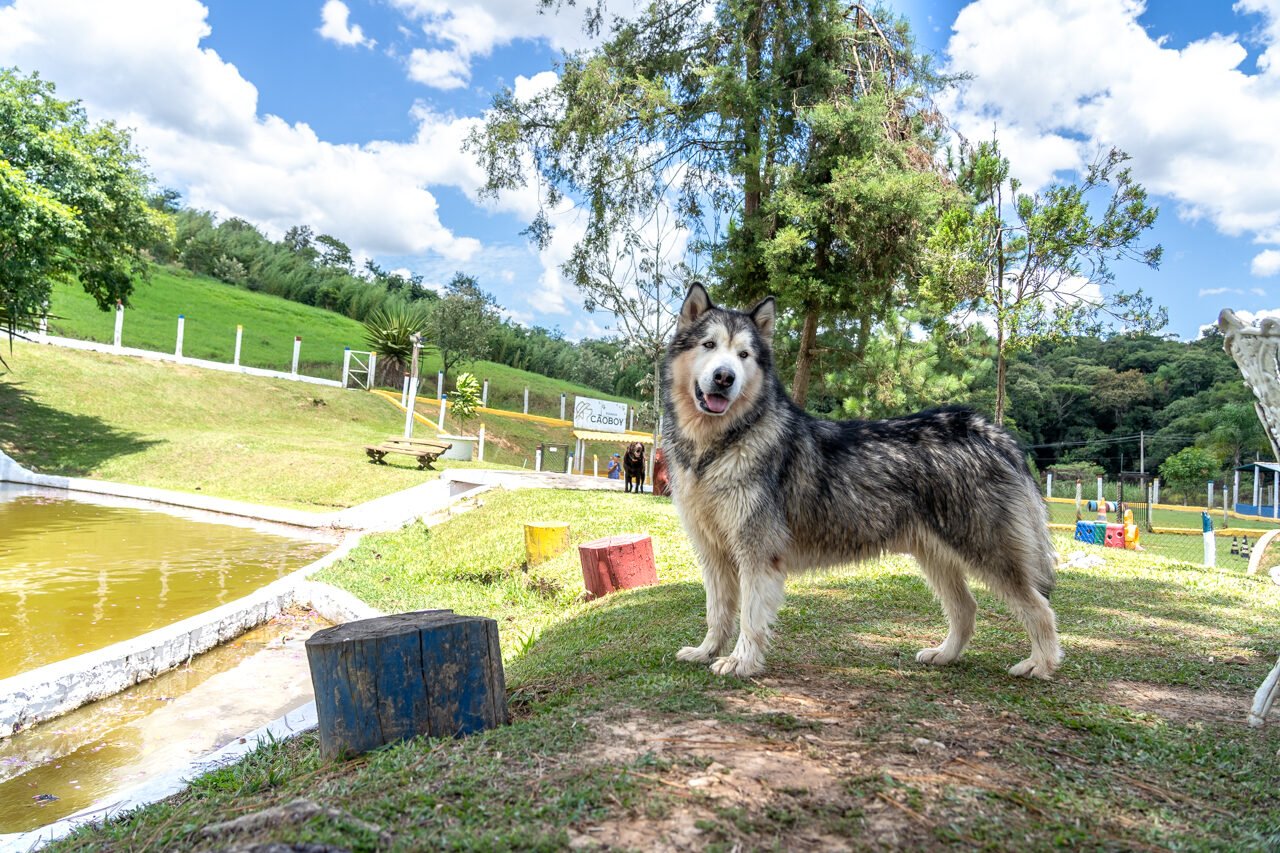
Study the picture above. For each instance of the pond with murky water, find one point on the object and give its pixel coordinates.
(79, 574)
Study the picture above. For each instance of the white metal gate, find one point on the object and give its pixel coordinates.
(357, 368)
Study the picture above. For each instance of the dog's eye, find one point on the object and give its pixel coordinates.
(710, 344)
(744, 354)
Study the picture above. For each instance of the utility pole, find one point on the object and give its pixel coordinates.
(1142, 452)
(413, 387)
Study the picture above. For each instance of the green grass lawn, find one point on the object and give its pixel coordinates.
(269, 441)
(1185, 547)
(1138, 743)
(213, 310)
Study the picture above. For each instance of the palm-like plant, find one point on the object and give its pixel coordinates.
(389, 332)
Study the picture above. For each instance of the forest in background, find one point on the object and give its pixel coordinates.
(1086, 402)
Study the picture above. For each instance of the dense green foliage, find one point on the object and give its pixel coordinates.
(73, 202)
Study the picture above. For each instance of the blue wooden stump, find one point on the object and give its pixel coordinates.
(381, 680)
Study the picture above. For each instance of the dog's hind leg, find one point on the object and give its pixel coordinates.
(762, 593)
(946, 576)
(720, 578)
(1033, 610)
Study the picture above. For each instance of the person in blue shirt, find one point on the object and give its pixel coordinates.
(615, 467)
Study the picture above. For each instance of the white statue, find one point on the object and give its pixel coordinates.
(1256, 350)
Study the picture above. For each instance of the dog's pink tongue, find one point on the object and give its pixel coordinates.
(716, 403)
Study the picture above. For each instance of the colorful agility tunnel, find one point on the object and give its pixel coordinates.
(1108, 535)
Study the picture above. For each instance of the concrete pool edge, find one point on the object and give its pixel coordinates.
(388, 512)
(42, 694)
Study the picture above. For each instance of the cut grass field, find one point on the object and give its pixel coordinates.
(845, 742)
(212, 310)
(268, 441)
(1188, 546)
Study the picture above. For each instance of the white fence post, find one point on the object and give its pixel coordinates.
(439, 384)
(119, 324)
(1209, 505)
(1099, 490)
(297, 347)
(444, 404)
(182, 321)
(537, 459)
(1156, 499)
(240, 337)
(346, 365)
(1235, 491)
(404, 392)
(408, 411)
(1210, 550)
(1048, 484)
(373, 360)
(484, 395)
(526, 403)
(561, 405)
(481, 443)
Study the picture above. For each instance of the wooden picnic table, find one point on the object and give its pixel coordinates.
(425, 450)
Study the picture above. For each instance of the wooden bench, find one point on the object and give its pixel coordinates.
(425, 450)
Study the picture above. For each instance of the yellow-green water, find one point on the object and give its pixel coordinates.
(77, 576)
(94, 753)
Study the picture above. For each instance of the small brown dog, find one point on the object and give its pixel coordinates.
(633, 466)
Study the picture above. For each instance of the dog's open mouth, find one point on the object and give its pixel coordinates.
(715, 404)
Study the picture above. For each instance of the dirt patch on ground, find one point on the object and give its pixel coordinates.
(1180, 704)
(798, 767)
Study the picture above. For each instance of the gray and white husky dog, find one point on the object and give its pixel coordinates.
(764, 489)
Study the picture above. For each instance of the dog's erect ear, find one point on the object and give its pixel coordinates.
(696, 303)
(763, 315)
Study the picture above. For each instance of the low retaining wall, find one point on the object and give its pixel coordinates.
(49, 691)
(152, 355)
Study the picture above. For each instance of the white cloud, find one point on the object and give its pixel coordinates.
(140, 62)
(439, 69)
(336, 27)
(1250, 318)
(1063, 80)
(1257, 291)
(1266, 263)
(1218, 291)
(467, 29)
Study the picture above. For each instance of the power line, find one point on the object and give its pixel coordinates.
(1114, 439)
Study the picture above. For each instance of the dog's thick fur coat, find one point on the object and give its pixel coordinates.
(764, 489)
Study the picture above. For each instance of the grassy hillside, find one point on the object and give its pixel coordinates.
(176, 427)
(213, 309)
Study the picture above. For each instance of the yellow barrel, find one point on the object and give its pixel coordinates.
(544, 539)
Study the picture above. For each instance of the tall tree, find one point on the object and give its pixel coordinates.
(1026, 259)
(74, 202)
(711, 108)
(460, 322)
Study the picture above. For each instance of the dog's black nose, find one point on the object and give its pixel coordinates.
(723, 377)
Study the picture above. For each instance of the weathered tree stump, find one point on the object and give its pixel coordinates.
(617, 562)
(544, 540)
(381, 680)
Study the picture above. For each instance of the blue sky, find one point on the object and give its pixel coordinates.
(349, 116)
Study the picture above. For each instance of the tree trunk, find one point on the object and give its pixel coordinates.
(804, 359)
(751, 132)
(1001, 366)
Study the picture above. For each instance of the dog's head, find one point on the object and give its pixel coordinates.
(719, 358)
(636, 451)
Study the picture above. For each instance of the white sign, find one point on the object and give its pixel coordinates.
(600, 415)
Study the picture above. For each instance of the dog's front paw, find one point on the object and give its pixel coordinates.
(741, 667)
(693, 654)
(935, 657)
(1033, 668)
